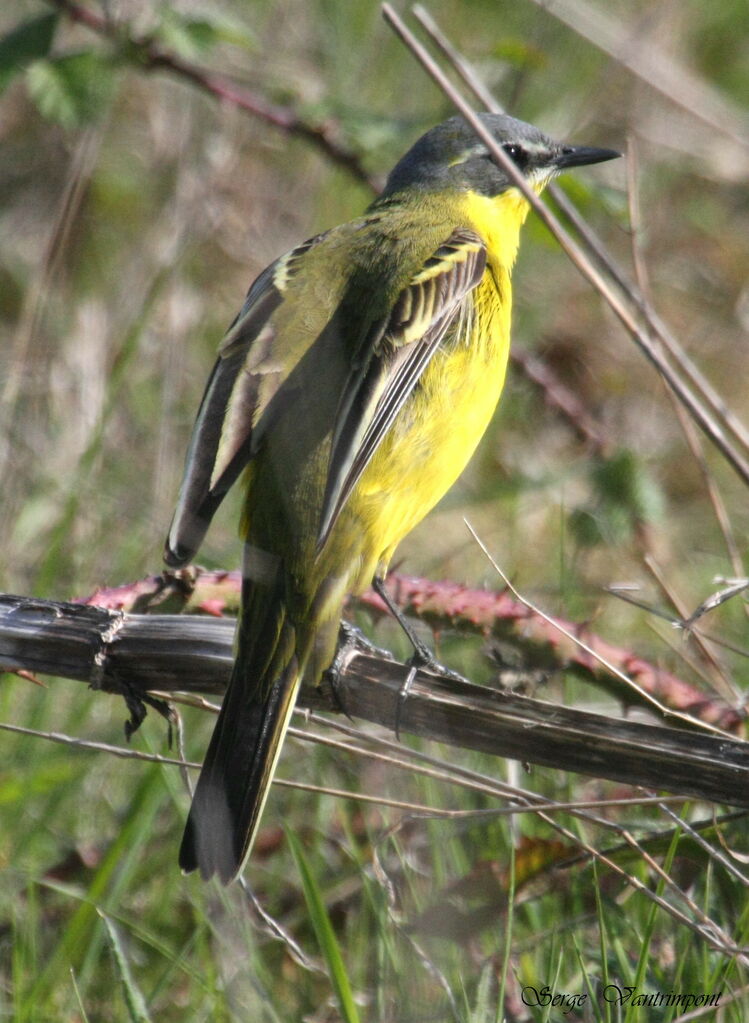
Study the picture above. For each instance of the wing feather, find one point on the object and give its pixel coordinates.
(397, 352)
(243, 379)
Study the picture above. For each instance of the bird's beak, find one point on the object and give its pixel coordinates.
(577, 156)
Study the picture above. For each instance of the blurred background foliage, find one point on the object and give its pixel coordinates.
(136, 208)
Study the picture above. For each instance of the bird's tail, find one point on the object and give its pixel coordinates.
(246, 743)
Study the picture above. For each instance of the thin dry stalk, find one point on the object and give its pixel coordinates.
(639, 331)
(719, 677)
(629, 682)
(653, 66)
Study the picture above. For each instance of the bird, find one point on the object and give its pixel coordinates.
(348, 394)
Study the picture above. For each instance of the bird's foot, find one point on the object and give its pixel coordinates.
(422, 659)
(351, 641)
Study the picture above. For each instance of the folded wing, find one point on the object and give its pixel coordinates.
(396, 351)
(253, 364)
(242, 383)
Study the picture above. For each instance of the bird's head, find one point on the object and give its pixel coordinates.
(451, 155)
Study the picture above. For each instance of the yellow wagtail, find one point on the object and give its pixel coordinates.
(351, 391)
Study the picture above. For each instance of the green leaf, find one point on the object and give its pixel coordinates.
(28, 42)
(192, 37)
(624, 498)
(622, 480)
(231, 30)
(71, 90)
(519, 53)
(326, 938)
(585, 527)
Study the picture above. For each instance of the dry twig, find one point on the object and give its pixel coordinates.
(703, 404)
(133, 655)
(152, 57)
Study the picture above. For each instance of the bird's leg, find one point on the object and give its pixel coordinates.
(422, 655)
(421, 650)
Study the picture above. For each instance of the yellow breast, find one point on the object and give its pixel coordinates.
(445, 417)
(498, 221)
(438, 429)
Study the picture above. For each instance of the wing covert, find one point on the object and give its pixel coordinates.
(396, 352)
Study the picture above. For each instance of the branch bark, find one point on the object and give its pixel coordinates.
(132, 654)
(539, 645)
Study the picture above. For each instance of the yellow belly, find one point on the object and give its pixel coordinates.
(438, 429)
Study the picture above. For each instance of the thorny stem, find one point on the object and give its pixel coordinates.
(153, 57)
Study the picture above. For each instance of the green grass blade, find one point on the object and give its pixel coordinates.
(136, 1004)
(326, 938)
(78, 998)
(79, 943)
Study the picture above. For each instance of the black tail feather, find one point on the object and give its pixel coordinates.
(246, 741)
(235, 779)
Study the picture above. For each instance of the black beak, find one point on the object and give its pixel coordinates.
(577, 156)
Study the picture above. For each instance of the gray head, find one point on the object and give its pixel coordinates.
(452, 156)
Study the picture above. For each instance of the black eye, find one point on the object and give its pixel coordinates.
(516, 153)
